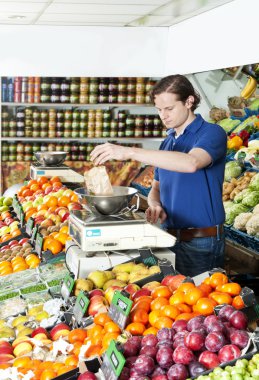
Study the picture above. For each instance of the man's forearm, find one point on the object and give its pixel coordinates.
(154, 198)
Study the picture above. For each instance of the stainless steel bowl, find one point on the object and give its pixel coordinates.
(50, 158)
(107, 204)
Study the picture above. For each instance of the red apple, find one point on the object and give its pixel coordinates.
(96, 292)
(65, 217)
(59, 330)
(48, 190)
(39, 330)
(39, 219)
(87, 376)
(4, 248)
(74, 206)
(109, 293)
(140, 293)
(131, 288)
(14, 243)
(170, 280)
(98, 304)
(6, 350)
(23, 241)
(47, 223)
(5, 358)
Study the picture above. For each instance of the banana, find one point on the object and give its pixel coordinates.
(249, 88)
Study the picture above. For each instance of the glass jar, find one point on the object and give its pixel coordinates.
(93, 85)
(131, 86)
(75, 85)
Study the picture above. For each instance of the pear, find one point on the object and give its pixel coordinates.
(154, 269)
(122, 276)
(134, 277)
(21, 319)
(98, 277)
(7, 332)
(25, 331)
(82, 284)
(125, 267)
(114, 283)
(139, 267)
(110, 275)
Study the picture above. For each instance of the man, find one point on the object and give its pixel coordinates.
(186, 194)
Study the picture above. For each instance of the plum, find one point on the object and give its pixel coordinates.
(195, 323)
(194, 340)
(165, 333)
(180, 325)
(181, 334)
(209, 359)
(209, 320)
(166, 342)
(240, 338)
(183, 355)
(125, 374)
(238, 320)
(196, 369)
(136, 340)
(149, 340)
(138, 377)
(214, 341)
(216, 327)
(144, 365)
(225, 312)
(149, 351)
(164, 357)
(159, 377)
(177, 372)
(158, 371)
(130, 349)
(202, 329)
(229, 352)
(130, 361)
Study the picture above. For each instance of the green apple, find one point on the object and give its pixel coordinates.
(8, 201)
(4, 208)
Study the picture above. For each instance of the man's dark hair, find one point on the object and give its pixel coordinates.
(176, 84)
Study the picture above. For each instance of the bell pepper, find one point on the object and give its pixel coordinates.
(235, 143)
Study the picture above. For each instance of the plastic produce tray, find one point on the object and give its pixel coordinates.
(143, 190)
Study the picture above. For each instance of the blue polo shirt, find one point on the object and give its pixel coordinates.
(194, 199)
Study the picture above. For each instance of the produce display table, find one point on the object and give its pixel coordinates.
(121, 173)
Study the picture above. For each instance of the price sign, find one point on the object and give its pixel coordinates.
(113, 362)
(67, 286)
(29, 226)
(120, 309)
(148, 257)
(81, 306)
(167, 268)
(22, 217)
(34, 233)
(39, 244)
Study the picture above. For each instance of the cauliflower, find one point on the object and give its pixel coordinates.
(256, 209)
(252, 226)
(241, 220)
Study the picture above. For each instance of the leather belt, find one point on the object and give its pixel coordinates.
(187, 234)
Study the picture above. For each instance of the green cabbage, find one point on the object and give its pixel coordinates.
(232, 170)
(233, 211)
(254, 183)
(239, 197)
(251, 199)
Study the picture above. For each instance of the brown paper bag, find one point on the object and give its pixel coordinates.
(97, 181)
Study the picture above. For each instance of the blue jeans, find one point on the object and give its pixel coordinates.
(199, 255)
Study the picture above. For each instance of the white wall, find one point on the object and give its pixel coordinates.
(222, 37)
(82, 51)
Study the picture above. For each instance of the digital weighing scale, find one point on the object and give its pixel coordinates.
(66, 174)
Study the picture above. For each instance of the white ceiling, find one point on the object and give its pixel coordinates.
(102, 12)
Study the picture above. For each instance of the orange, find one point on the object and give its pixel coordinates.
(65, 369)
(6, 237)
(54, 179)
(170, 311)
(238, 302)
(95, 330)
(64, 229)
(35, 187)
(161, 291)
(150, 330)
(136, 328)
(30, 213)
(101, 319)
(207, 289)
(43, 206)
(5, 271)
(139, 315)
(32, 260)
(233, 288)
(52, 201)
(77, 348)
(153, 316)
(71, 360)
(108, 337)
(27, 193)
(77, 335)
(32, 182)
(205, 306)
(62, 237)
(186, 316)
(192, 296)
(46, 185)
(74, 198)
(46, 365)
(17, 259)
(34, 363)
(63, 201)
(157, 303)
(46, 242)
(144, 305)
(185, 287)
(96, 340)
(21, 190)
(183, 308)
(164, 322)
(22, 361)
(93, 351)
(56, 366)
(55, 246)
(42, 180)
(177, 297)
(218, 278)
(48, 374)
(111, 327)
(221, 298)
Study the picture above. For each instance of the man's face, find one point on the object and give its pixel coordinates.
(173, 112)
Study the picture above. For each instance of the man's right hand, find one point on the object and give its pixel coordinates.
(154, 213)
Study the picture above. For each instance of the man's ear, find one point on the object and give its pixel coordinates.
(189, 101)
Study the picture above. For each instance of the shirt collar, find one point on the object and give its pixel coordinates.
(192, 127)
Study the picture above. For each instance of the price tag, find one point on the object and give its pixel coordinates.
(67, 286)
(167, 268)
(120, 309)
(22, 217)
(81, 306)
(29, 226)
(148, 257)
(34, 233)
(113, 362)
(39, 244)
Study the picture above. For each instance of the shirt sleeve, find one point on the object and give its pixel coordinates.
(156, 174)
(213, 140)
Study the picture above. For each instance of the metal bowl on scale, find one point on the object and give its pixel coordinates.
(50, 158)
(116, 203)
